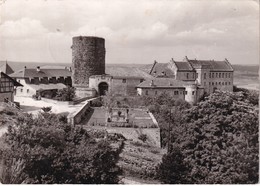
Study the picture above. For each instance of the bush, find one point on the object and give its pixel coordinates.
(46, 151)
(46, 109)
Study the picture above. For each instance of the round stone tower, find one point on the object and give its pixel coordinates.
(88, 58)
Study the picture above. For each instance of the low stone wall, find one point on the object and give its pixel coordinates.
(56, 101)
(74, 102)
(76, 116)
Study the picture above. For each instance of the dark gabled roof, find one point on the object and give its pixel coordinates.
(183, 66)
(162, 83)
(213, 65)
(11, 79)
(161, 69)
(4, 67)
(31, 73)
(121, 72)
(189, 64)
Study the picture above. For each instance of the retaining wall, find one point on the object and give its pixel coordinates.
(76, 116)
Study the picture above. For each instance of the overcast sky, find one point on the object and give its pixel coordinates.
(136, 31)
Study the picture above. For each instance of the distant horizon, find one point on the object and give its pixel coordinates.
(61, 63)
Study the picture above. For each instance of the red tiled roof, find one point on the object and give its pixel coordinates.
(42, 73)
(162, 83)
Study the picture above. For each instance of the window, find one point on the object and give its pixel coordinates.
(209, 83)
(219, 83)
(229, 75)
(155, 92)
(197, 75)
(146, 92)
(226, 75)
(187, 75)
(176, 92)
(222, 75)
(185, 92)
(209, 75)
(222, 83)
(27, 90)
(193, 92)
(212, 83)
(229, 83)
(225, 83)
(123, 80)
(21, 90)
(205, 75)
(141, 80)
(212, 75)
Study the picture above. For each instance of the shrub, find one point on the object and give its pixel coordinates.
(52, 152)
(46, 109)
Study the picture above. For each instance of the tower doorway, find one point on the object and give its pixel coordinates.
(102, 88)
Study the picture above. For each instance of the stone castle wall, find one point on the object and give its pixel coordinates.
(88, 58)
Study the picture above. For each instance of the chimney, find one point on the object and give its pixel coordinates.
(24, 67)
(163, 73)
(38, 69)
(70, 69)
(186, 59)
(152, 83)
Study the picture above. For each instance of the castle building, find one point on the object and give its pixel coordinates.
(209, 74)
(37, 79)
(91, 78)
(188, 79)
(177, 89)
(7, 87)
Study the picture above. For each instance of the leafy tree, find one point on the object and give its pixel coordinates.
(218, 139)
(46, 150)
(173, 168)
(66, 94)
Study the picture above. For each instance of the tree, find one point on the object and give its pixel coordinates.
(218, 139)
(173, 169)
(46, 150)
(66, 94)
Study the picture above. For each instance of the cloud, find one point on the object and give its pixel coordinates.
(140, 26)
(22, 28)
